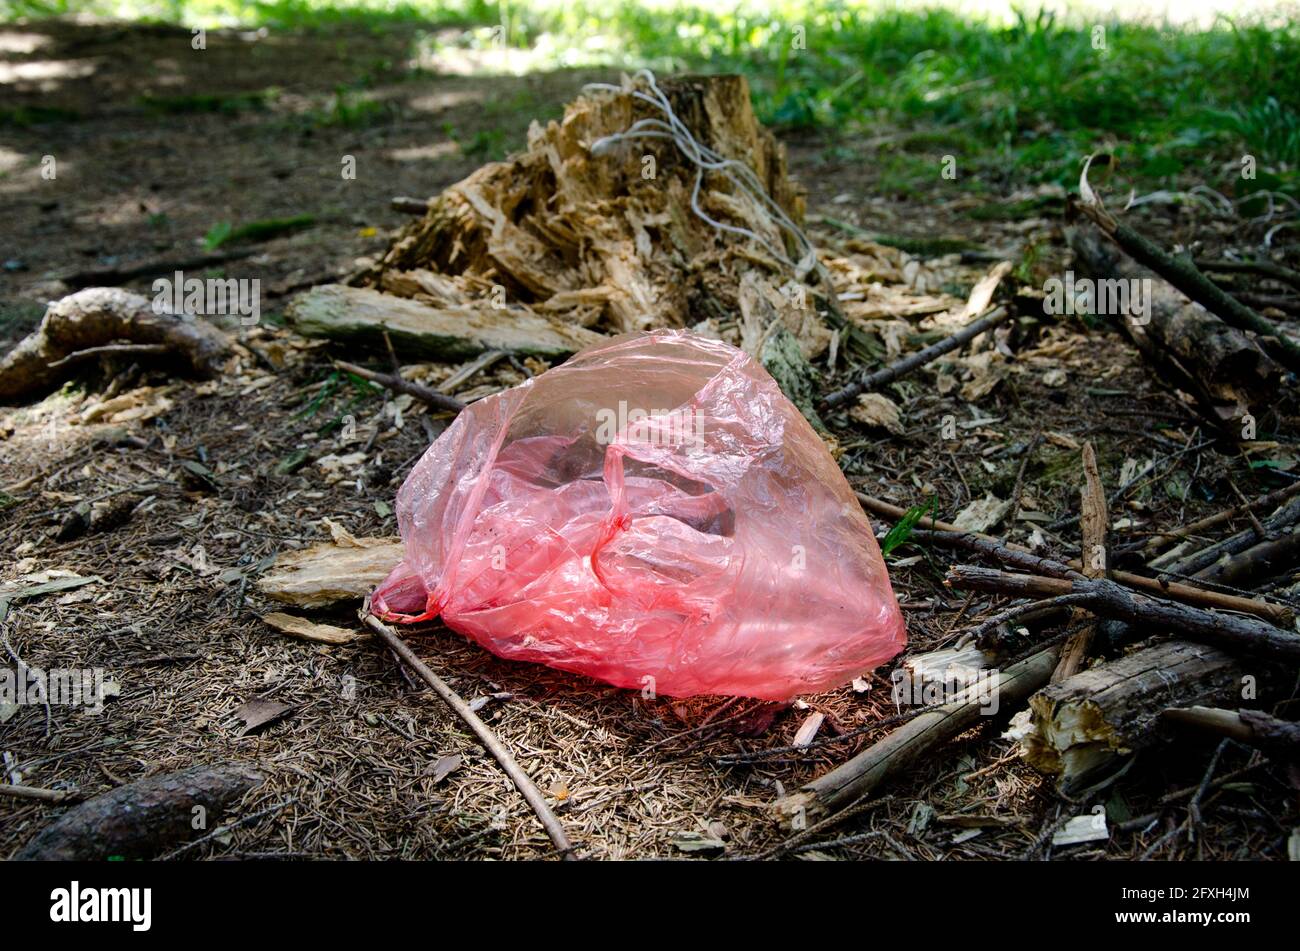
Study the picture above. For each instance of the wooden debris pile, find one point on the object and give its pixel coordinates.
(593, 230)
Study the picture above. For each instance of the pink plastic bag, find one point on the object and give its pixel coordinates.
(653, 513)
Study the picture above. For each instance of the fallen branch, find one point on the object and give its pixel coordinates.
(439, 401)
(1270, 557)
(856, 778)
(1273, 498)
(945, 534)
(1268, 269)
(1106, 598)
(112, 276)
(1252, 727)
(32, 792)
(1181, 272)
(522, 782)
(1199, 561)
(1222, 367)
(98, 317)
(872, 381)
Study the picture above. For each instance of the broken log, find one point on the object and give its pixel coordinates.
(97, 318)
(1249, 635)
(849, 782)
(449, 333)
(1225, 370)
(141, 819)
(1078, 728)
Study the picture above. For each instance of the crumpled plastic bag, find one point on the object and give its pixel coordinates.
(653, 513)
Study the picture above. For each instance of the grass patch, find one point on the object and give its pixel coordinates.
(1018, 99)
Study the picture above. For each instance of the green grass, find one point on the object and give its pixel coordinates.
(1017, 100)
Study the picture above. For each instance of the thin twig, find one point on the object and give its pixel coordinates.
(522, 782)
(439, 401)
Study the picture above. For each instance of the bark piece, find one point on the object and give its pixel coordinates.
(326, 574)
(451, 333)
(306, 630)
(142, 819)
(97, 317)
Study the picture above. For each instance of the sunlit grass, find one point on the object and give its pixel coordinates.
(1023, 95)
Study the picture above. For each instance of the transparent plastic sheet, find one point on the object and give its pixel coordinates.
(654, 513)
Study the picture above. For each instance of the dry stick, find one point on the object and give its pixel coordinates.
(1095, 521)
(1266, 559)
(32, 792)
(999, 315)
(112, 349)
(1263, 268)
(1252, 727)
(1157, 542)
(113, 276)
(392, 381)
(1181, 272)
(526, 787)
(1236, 544)
(1106, 598)
(949, 535)
(857, 777)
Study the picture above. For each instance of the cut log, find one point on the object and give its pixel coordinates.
(449, 333)
(1079, 728)
(1221, 366)
(326, 574)
(95, 318)
(142, 819)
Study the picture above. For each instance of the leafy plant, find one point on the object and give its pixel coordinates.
(902, 530)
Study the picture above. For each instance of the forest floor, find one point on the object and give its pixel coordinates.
(157, 150)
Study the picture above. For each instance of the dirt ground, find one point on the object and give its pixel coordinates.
(155, 146)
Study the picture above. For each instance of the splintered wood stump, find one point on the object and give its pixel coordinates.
(1222, 367)
(450, 333)
(100, 316)
(144, 818)
(1080, 728)
(605, 237)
